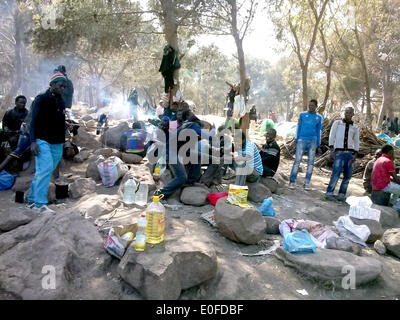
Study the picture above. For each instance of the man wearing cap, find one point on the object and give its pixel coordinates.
(47, 134)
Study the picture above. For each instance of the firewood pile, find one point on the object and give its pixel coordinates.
(369, 143)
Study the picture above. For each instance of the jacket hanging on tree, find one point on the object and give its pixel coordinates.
(169, 64)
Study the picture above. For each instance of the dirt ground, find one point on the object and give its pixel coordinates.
(261, 277)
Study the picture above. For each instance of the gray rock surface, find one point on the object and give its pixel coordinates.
(130, 158)
(391, 240)
(107, 152)
(379, 247)
(327, 265)
(91, 170)
(112, 136)
(272, 225)
(270, 183)
(245, 225)
(374, 226)
(11, 219)
(82, 156)
(389, 217)
(194, 196)
(258, 192)
(82, 187)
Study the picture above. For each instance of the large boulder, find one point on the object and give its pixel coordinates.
(163, 271)
(62, 249)
(328, 265)
(91, 125)
(107, 152)
(272, 225)
(87, 118)
(86, 139)
(81, 187)
(379, 247)
(238, 224)
(391, 240)
(374, 226)
(270, 183)
(389, 217)
(82, 156)
(258, 192)
(131, 158)
(22, 183)
(91, 170)
(15, 217)
(98, 206)
(112, 136)
(194, 196)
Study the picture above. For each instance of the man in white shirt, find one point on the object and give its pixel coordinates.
(344, 141)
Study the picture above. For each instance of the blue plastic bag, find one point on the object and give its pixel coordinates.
(6, 180)
(299, 241)
(385, 137)
(266, 208)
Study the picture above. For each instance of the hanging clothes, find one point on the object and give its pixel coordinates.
(169, 64)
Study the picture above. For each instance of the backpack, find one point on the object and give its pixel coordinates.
(6, 180)
(111, 170)
(70, 150)
(135, 140)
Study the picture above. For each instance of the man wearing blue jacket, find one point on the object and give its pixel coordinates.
(308, 138)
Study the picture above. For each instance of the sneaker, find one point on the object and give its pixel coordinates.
(340, 198)
(307, 187)
(43, 209)
(30, 205)
(291, 186)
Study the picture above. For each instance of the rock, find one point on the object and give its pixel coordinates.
(374, 226)
(107, 153)
(328, 265)
(91, 125)
(87, 118)
(51, 192)
(82, 156)
(91, 170)
(270, 183)
(272, 225)
(86, 139)
(162, 272)
(391, 240)
(194, 196)
(22, 183)
(15, 217)
(389, 217)
(112, 136)
(258, 192)
(82, 187)
(238, 224)
(343, 244)
(139, 172)
(63, 244)
(98, 206)
(379, 247)
(131, 158)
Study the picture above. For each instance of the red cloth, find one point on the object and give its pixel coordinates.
(380, 177)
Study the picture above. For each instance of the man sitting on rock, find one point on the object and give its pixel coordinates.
(133, 141)
(270, 154)
(384, 176)
(368, 172)
(247, 163)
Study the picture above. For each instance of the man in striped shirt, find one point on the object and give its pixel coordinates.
(247, 163)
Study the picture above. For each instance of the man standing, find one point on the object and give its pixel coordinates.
(344, 142)
(12, 121)
(270, 154)
(308, 138)
(368, 172)
(47, 134)
(382, 172)
(133, 105)
(69, 89)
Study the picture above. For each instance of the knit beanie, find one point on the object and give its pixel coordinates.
(57, 76)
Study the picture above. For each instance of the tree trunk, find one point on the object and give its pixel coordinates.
(19, 32)
(304, 76)
(328, 85)
(387, 102)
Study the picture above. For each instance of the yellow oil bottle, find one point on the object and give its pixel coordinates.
(155, 215)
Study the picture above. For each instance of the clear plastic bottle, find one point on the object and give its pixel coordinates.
(129, 191)
(141, 194)
(140, 241)
(155, 214)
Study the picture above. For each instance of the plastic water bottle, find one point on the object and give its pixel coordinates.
(155, 214)
(129, 191)
(141, 194)
(140, 241)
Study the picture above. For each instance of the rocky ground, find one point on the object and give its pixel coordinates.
(197, 260)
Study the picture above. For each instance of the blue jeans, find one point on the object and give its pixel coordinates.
(302, 146)
(342, 162)
(45, 163)
(179, 173)
(24, 143)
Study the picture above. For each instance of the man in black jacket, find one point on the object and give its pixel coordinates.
(270, 154)
(47, 134)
